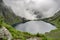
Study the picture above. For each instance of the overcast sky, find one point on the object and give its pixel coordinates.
(26, 8)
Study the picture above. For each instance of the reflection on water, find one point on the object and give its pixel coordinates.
(35, 27)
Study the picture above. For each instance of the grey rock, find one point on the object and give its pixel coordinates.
(5, 33)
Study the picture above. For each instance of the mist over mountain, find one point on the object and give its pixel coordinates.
(8, 15)
(34, 9)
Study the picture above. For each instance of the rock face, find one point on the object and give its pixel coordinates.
(8, 14)
(5, 33)
(0, 0)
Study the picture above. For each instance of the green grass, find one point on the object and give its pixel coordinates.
(54, 34)
(21, 35)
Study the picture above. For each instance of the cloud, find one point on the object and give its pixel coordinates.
(27, 8)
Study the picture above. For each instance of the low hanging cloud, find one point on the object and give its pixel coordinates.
(33, 9)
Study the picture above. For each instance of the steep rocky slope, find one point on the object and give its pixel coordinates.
(54, 34)
(55, 20)
(8, 14)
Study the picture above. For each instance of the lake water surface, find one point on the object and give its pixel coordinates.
(35, 27)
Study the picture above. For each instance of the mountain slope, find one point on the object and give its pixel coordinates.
(54, 34)
(8, 14)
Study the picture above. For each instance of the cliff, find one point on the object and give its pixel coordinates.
(8, 14)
